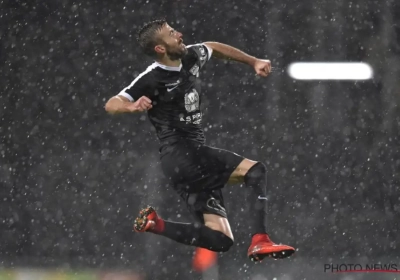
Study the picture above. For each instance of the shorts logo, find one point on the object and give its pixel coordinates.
(214, 204)
(192, 101)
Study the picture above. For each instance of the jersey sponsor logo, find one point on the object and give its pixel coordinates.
(192, 101)
(195, 70)
(194, 119)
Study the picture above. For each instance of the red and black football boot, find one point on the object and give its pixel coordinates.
(147, 220)
(261, 246)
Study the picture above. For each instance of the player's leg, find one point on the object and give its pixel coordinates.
(211, 230)
(253, 174)
(194, 173)
(193, 234)
(203, 259)
(184, 164)
(218, 223)
(208, 208)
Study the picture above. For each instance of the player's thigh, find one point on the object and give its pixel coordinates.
(241, 170)
(208, 208)
(195, 168)
(222, 164)
(218, 223)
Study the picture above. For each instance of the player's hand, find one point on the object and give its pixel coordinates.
(262, 67)
(141, 105)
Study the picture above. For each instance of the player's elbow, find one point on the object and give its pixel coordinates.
(110, 106)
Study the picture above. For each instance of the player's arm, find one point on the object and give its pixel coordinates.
(219, 50)
(121, 104)
(132, 98)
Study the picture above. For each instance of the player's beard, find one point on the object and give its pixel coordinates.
(175, 54)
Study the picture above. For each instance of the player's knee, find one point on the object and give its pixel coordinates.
(224, 244)
(257, 170)
(220, 240)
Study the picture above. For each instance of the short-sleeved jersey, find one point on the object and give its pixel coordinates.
(175, 94)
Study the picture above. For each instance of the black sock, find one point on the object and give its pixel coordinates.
(196, 235)
(256, 180)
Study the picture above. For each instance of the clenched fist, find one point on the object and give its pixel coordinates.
(262, 67)
(142, 104)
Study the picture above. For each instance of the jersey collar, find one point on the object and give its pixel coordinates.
(169, 68)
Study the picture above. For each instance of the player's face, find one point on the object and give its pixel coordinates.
(172, 43)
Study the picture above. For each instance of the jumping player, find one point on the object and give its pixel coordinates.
(168, 89)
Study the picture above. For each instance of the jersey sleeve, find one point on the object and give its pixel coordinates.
(143, 85)
(202, 52)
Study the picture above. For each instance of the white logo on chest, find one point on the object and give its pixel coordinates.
(192, 101)
(171, 89)
(174, 85)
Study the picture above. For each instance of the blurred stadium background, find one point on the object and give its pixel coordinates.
(73, 178)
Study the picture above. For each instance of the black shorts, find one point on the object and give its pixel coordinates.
(198, 173)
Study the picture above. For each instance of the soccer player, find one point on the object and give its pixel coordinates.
(169, 92)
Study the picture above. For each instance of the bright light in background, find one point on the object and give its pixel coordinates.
(330, 71)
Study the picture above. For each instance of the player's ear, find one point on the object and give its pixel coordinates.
(160, 49)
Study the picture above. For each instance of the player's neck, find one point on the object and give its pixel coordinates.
(168, 62)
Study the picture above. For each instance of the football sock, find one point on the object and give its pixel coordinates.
(193, 234)
(256, 182)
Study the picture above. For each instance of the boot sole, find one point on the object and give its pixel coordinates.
(256, 257)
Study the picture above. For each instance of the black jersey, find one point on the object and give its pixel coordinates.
(175, 95)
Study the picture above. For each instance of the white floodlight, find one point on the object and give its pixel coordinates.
(330, 71)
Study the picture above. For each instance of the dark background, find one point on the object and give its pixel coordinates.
(73, 178)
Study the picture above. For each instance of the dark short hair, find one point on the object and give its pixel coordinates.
(147, 36)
